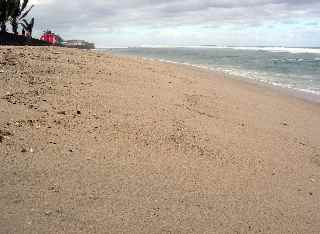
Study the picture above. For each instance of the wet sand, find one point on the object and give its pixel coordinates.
(94, 143)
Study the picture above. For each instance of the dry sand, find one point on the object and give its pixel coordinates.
(101, 144)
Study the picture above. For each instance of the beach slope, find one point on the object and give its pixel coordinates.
(93, 143)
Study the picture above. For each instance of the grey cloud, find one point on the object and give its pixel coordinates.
(96, 15)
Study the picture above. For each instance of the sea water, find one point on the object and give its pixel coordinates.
(291, 68)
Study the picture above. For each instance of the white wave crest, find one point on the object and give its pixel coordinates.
(252, 75)
(281, 49)
(293, 50)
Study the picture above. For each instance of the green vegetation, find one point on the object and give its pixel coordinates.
(5, 12)
(19, 12)
(14, 11)
(28, 26)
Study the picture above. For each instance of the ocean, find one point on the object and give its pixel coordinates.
(290, 68)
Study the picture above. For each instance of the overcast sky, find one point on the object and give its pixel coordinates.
(111, 23)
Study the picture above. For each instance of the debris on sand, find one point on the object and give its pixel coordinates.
(48, 213)
(202, 146)
(4, 134)
(61, 113)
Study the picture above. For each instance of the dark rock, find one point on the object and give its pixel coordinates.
(30, 122)
(61, 112)
(54, 188)
(5, 133)
(57, 121)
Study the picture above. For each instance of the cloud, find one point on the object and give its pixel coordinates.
(101, 16)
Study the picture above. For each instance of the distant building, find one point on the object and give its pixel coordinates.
(55, 39)
(81, 44)
(51, 38)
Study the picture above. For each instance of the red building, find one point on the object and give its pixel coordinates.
(52, 38)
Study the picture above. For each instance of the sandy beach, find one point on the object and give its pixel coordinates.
(94, 143)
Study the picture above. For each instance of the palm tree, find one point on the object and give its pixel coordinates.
(6, 9)
(20, 11)
(28, 26)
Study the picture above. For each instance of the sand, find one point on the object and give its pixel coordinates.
(94, 143)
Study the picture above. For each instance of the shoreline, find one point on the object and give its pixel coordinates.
(91, 142)
(295, 93)
(307, 96)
